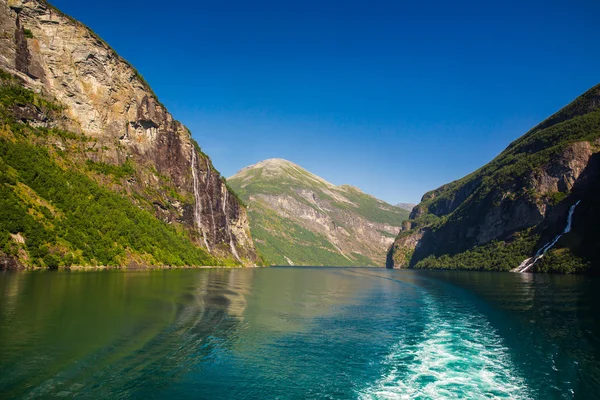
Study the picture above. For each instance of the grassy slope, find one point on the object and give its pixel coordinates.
(372, 208)
(579, 121)
(276, 236)
(55, 202)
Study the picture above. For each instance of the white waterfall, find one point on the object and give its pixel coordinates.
(198, 208)
(209, 197)
(198, 205)
(530, 262)
(231, 244)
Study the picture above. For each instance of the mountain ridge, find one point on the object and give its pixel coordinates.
(323, 218)
(504, 212)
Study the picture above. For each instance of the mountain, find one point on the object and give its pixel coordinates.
(406, 206)
(93, 168)
(518, 206)
(298, 218)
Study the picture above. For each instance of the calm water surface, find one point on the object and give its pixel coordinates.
(293, 333)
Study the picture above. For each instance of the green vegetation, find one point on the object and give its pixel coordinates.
(361, 260)
(513, 165)
(506, 180)
(561, 261)
(277, 186)
(66, 218)
(294, 178)
(493, 256)
(12, 95)
(293, 233)
(277, 238)
(554, 198)
(28, 34)
(371, 208)
(116, 171)
(402, 256)
(52, 214)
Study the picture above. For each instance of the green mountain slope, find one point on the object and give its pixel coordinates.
(507, 210)
(93, 169)
(299, 218)
(54, 213)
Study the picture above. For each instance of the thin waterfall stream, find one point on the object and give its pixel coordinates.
(231, 244)
(197, 198)
(530, 262)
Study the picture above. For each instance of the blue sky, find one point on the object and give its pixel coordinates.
(395, 97)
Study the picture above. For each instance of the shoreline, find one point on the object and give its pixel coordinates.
(155, 267)
(126, 268)
(145, 267)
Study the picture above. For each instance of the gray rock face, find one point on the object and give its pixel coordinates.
(105, 98)
(526, 190)
(499, 214)
(406, 206)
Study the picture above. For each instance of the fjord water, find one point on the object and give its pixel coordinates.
(294, 333)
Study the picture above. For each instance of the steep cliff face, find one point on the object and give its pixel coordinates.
(298, 218)
(508, 209)
(105, 99)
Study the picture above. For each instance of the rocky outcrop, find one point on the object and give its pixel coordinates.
(526, 192)
(106, 99)
(8, 263)
(402, 249)
(561, 174)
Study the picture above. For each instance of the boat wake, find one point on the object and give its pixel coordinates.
(457, 355)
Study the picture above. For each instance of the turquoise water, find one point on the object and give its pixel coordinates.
(293, 333)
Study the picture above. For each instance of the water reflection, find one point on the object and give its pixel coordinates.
(118, 333)
(280, 332)
(74, 330)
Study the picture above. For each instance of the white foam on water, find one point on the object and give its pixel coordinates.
(457, 355)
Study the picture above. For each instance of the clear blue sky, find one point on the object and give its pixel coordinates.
(395, 97)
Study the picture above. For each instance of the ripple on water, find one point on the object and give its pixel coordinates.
(457, 355)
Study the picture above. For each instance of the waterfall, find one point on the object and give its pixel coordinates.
(209, 197)
(198, 208)
(530, 262)
(231, 244)
(198, 205)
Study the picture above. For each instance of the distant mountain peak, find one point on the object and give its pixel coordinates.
(273, 162)
(268, 164)
(298, 218)
(279, 170)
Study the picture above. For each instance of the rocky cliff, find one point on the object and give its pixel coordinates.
(406, 206)
(104, 99)
(512, 207)
(298, 218)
